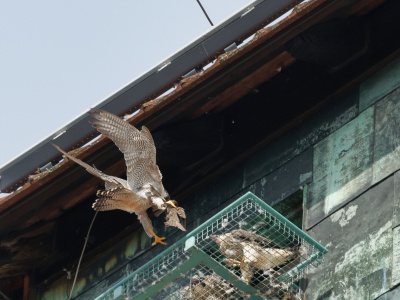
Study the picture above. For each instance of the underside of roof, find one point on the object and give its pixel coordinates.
(209, 121)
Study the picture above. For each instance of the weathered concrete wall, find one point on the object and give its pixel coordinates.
(359, 238)
(348, 155)
(353, 202)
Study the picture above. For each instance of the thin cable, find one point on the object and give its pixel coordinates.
(80, 259)
(4, 296)
(204, 11)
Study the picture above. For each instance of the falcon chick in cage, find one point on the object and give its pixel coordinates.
(143, 188)
(250, 252)
(212, 287)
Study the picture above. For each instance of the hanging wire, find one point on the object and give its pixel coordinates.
(4, 296)
(205, 13)
(80, 258)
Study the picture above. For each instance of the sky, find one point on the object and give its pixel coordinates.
(59, 58)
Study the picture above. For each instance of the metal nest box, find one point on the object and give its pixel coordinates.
(246, 251)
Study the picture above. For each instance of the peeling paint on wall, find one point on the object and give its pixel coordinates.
(355, 256)
(396, 208)
(344, 216)
(396, 257)
(359, 238)
(342, 167)
(387, 136)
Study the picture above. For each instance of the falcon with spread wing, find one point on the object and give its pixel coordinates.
(143, 188)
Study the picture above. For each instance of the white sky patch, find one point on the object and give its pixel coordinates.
(78, 63)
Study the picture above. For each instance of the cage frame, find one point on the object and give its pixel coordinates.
(197, 256)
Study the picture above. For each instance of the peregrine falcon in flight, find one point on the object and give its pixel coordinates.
(143, 188)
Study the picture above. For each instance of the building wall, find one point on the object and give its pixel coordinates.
(353, 201)
(348, 157)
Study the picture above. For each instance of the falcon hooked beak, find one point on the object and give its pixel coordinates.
(143, 188)
(172, 203)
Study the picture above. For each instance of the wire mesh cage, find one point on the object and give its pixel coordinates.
(247, 251)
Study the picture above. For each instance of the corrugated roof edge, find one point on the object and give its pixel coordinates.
(76, 133)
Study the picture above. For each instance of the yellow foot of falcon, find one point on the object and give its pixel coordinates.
(157, 239)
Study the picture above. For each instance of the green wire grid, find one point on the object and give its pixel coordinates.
(265, 258)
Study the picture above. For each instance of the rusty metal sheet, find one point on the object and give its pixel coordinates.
(380, 84)
(387, 135)
(359, 239)
(342, 167)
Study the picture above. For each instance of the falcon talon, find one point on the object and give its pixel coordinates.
(143, 188)
(158, 240)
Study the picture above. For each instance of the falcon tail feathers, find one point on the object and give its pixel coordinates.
(102, 205)
(105, 198)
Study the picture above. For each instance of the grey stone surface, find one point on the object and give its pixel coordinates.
(359, 240)
(396, 208)
(396, 257)
(342, 167)
(387, 136)
(391, 295)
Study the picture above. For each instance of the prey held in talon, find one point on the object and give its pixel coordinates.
(143, 189)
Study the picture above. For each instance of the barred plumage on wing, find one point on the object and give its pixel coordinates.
(143, 188)
(109, 181)
(251, 252)
(119, 198)
(137, 146)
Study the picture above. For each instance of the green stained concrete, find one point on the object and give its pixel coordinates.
(380, 84)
